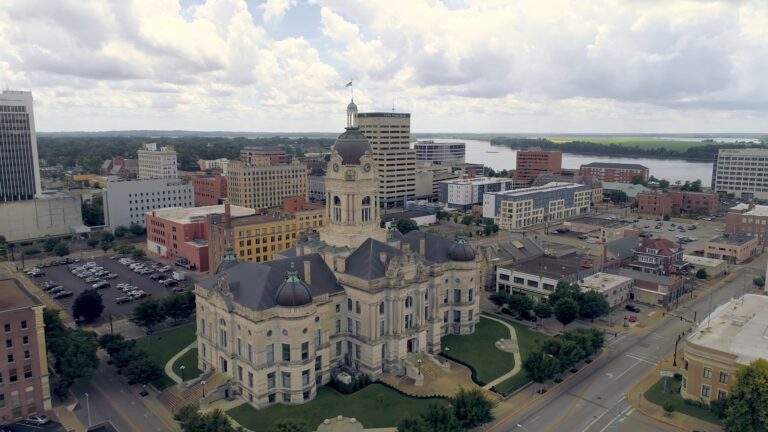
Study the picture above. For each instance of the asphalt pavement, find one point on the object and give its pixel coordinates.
(62, 275)
(594, 400)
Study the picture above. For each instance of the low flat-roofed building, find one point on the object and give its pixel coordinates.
(421, 217)
(463, 193)
(522, 208)
(653, 289)
(538, 277)
(50, 214)
(733, 248)
(601, 229)
(748, 219)
(732, 335)
(614, 288)
(713, 266)
(25, 388)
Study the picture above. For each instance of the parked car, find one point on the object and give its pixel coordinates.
(633, 318)
(91, 279)
(181, 289)
(62, 294)
(164, 269)
(101, 285)
(123, 299)
(37, 420)
(169, 283)
(110, 276)
(156, 276)
(56, 289)
(632, 308)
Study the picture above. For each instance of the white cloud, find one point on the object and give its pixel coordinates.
(477, 65)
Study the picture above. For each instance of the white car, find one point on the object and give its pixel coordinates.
(164, 269)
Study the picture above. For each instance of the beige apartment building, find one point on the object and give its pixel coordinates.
(24, 383)
(357, 300)
(389, 134)
(261, 184)
(741, 172)
(157, 162)
(732, 336)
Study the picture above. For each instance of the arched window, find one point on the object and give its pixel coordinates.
(381, 308)
(365, 212)
(337, 209)
(336, 200)
(408, 301)
(222, 322)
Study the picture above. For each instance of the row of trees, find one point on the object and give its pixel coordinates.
(149, 313)
(559, 355)
(521, 305)
(73, 353)
(131, 361)
(191, 420)
(466, 410)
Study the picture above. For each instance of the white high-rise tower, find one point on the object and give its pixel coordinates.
(19, 167)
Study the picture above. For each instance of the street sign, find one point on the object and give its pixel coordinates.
(667, 374)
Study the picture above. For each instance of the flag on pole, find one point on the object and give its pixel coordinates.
(349, 84)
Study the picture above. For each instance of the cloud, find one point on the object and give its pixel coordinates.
(473, 65)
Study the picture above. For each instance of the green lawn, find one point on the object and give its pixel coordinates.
(479, 350)
(528, 341)
(189, 361)
(375, 406)
(657, 395)
(164, 345)
(642, 142)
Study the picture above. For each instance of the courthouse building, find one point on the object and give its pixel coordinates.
(356, 298)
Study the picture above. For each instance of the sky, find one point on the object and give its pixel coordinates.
(485, 66)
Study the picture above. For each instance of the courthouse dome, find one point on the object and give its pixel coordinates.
(293, 292)
(461, 251)
(351, 146)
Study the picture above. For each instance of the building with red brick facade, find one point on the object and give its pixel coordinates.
(748, 219)
(209, 191)
(24, 388)
(181, 234)
(531, 163)
(614, 172)
(677, 202)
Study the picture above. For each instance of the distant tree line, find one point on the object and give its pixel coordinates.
(698, 153)
(91, 151)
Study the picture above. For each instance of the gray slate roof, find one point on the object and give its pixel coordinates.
(365, 261)
(519, 250)
(638, 275)
(436, 246)
(255, 285)
(622, 248)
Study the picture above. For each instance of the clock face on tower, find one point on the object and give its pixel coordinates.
(336, 167)
(367, 167)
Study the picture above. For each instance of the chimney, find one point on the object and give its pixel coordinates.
(423, 246)
(227, 214)
(340, 264)
(307, 273)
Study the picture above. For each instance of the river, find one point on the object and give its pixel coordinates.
(501, 157)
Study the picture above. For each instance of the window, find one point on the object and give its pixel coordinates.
(381, 308)
(723, 378)
(12, 375)
(381, 328)
(304, 350)
(286, 378)
(470, 295)
(223, 338)
(7, 328)
(240, 373)
(25, 340)
(338, 308)
(27, 355)
(685, 364)
(705, 391)
(2, 400)
(250, 353)
(456, 316)
(469, 315)
(318, 362)
(270, 353)
(271, 398)
(707, 372)
(357, 351)
(349, 305)
(271, 380)
(457, 296)
(408, 321)
(287, 352)
(318, 338)
(408, 301)
(338, 348)
(721, 394)
(305, 378)
(357, 307)
(338, 326)
(445, 316)
(250, 379)
(306, 395)
(357, 328)
(9, 343)
(239, 347)
(10, 358)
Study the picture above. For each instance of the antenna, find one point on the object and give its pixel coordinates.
(393, 104)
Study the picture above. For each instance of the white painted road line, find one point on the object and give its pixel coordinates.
(619, 415)
(628, 369)
(632, 356)
(594, 421)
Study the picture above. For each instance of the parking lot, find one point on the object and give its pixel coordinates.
(63, 276)
(704, 231)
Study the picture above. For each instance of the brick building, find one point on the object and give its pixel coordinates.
(748, 219)
(181, 234)
(263, 156)
(531, 163)
(614, 172)
(24, 382)
(209, 191)
(733, 248)
(658, 256)
(677, 202)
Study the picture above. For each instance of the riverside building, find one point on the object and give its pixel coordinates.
(741, 172)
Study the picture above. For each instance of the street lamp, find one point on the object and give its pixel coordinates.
(88, 407)
(203, 383)
(181, 368)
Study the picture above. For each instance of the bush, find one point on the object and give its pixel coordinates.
(358, 383)
(718, 407)
(695, 403)
(669, 408)
(701, 274)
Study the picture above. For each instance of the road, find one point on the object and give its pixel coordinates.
(594, 400)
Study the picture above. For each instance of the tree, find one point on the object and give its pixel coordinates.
(747, 409)
(639, 180)
(291, 425)
(565, 290)
(467, 220)
(50, 244)
(664, 184)
(540, 367)
(440, 418)
(138, 253)
(701, 273)
(147, 314)
(193, 421)
(105, 245)
(695, 186)
(412, 424)
(520, 303)
(669, 408)
(590, 340)
(406, 225)
(566, 310)
(142, 370)
(570, 354)
(88, 306)
(107, 236)
(472, 408)
(61, 249)
(499, 299)
(123, 248)
(120, 231)
(137, 229)
(617, 196)
(542, 310)
(592, 305)
(92, 242)
(73, 352)
(759, 281)
(179, 306)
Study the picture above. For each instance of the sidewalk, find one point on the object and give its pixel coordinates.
(636, 398)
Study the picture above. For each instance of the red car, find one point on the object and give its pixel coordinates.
(633, 318)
